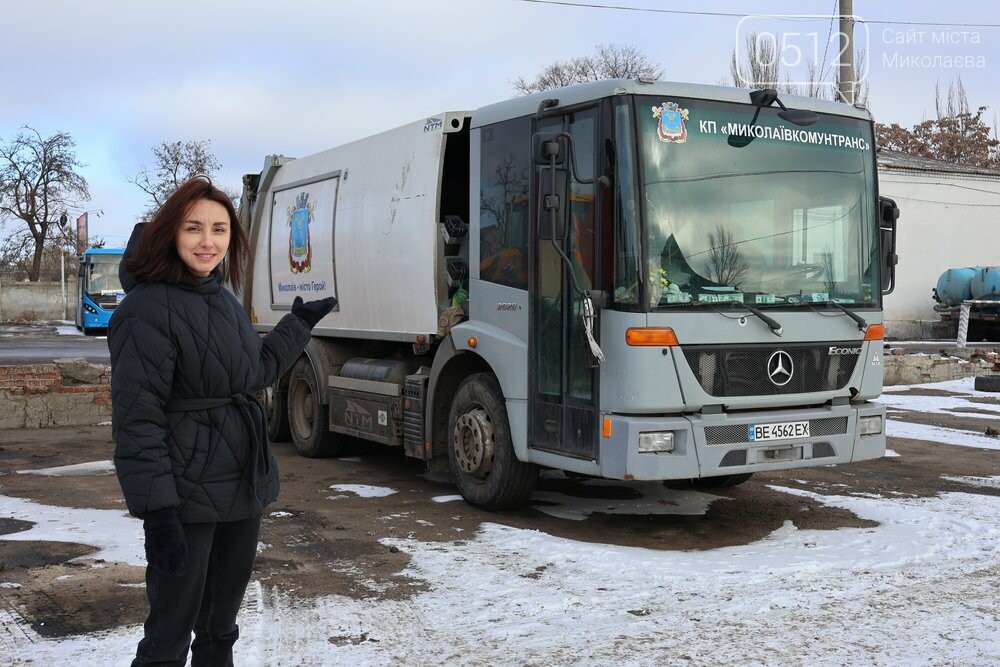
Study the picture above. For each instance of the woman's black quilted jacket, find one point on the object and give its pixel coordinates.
(185, 364)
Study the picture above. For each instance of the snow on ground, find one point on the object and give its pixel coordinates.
(117, 535)
(917, 589)
(75, 470)
(68, 330)
(948, 405)
(363, 490)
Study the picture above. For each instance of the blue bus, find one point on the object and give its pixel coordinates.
(99, 291)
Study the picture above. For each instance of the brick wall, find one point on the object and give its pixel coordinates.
(69, 392)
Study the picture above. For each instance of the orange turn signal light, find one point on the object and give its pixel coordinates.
(875, 332)
(651, 336)
(473, 341)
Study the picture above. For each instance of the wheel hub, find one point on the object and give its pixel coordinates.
(473, 442)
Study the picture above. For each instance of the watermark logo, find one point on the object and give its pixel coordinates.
(797, 50)
(946, 48)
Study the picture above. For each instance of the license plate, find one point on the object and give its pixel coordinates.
(782, 431)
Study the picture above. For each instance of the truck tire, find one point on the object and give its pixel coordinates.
(987, 383)
(480, 452)
(721, 482)
(275, 404)
(308, 419)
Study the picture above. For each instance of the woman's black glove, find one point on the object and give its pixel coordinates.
(312, 312)
(166, 546)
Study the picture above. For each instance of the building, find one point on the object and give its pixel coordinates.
(949, 218)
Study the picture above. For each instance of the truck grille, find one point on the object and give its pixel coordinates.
(726, 370)
(736, 434)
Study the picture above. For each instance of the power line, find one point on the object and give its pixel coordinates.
(625, 8)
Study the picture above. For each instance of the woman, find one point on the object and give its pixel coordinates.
(191, 448)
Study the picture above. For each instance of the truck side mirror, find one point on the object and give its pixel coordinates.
(888, 215)
(553, 203)
(546, 147)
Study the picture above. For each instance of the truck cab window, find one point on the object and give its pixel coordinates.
(503, 208)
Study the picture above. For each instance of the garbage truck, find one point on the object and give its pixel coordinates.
(624, 279)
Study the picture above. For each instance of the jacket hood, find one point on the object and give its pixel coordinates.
(126, 279)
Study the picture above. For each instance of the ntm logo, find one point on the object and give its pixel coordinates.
(356, 416)
(432, 124)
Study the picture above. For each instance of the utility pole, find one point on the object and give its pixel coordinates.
(847, 82)
(63, 219)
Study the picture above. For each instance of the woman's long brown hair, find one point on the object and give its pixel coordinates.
(155, 257)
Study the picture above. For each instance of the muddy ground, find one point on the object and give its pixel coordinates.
(321, 546)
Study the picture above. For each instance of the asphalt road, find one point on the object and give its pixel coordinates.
(42, 343)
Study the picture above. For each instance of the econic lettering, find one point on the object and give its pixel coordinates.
(841, 351)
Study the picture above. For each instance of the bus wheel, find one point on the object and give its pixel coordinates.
(275, 402)
(307, 416)
(480, 451)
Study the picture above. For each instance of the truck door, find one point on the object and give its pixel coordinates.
(562, 371)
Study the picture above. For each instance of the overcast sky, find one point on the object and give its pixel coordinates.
(299, 76)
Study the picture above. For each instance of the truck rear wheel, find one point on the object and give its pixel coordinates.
(308, 419)
(480, 451)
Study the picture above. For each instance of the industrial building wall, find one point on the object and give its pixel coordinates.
(947, 220)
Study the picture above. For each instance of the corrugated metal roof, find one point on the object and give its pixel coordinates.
(888, 159)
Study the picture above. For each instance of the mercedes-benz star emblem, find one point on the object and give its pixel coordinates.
(779, 368)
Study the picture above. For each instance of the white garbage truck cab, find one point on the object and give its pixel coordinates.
(621, 279)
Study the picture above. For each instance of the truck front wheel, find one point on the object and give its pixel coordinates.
(308, 418)
(275, 403)
(480, 451)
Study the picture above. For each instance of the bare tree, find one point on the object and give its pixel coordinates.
(500, 201)
(38, 183)
(962, 139)
(175, 163)
(761, 68)
(608, 62)
(727, 265)
(955, 104)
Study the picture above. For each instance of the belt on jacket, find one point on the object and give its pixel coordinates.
(192, 404)
(254, 419)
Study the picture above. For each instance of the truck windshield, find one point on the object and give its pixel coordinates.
(740, 205)
(103, 274)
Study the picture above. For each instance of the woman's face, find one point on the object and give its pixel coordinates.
(203, 237)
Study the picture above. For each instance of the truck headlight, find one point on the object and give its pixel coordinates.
(871, 425)
(656, 442)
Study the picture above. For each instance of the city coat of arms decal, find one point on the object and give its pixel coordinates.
(299, 245)
(670, 122)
